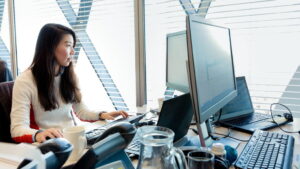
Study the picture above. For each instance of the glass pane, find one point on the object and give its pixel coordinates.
(162, 17)
(265, 37)
(4, 38)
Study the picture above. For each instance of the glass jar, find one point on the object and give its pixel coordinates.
(157, 151)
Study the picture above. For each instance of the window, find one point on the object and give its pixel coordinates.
(161, 17)
(265, 40)
(105, 60)
(4, 34)
(265, 35)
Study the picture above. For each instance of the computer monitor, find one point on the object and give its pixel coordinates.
(176, 73)
(211, 69)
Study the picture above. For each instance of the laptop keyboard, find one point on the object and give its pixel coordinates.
(248, 120)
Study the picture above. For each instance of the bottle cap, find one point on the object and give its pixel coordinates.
(218, 149)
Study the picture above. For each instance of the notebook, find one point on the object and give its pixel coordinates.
(239, 113)
(176, 114)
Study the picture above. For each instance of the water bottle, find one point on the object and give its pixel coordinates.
(218, 150)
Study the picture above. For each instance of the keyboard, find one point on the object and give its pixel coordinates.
(134, 146)
(92, 135)
(267, 150)
(248, 120)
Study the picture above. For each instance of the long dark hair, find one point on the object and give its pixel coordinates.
(43, 68)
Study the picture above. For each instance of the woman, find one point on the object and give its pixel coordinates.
(46, 94)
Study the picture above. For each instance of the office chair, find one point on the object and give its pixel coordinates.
(6, 89)
(5, 73)
(5, 108)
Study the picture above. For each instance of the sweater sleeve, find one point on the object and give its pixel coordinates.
(20, 112)
(85, 114)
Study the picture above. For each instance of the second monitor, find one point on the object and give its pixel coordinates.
(176, 77)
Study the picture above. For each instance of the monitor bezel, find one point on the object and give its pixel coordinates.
(204, 116)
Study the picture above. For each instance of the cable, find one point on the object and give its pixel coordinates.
(216, 122)
(228, 135)
(217, 138)
(225, 135)
(194, 130)
(229, 131)
(220, 114)
(290, 113)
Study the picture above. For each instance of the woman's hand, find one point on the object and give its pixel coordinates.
(48, 133)
(113, 114)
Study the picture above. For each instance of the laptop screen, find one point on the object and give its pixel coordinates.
(176, 114)
(241, 104)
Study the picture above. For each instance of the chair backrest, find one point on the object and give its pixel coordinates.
(5, 108)
(5, 73)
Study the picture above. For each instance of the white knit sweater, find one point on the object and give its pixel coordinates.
(25, 95)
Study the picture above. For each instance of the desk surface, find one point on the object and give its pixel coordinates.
(294, 126)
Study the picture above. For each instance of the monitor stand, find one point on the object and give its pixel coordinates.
(207, 130)
(204, 139)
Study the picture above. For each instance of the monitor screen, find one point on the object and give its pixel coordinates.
(212, 78)
(176, 77)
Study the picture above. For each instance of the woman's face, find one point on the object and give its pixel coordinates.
(64, 50)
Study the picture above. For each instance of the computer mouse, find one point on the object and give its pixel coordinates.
(231, 154)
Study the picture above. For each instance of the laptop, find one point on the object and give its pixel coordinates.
(176, 114)
(239, 113)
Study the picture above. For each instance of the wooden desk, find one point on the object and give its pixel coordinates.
(294, 126)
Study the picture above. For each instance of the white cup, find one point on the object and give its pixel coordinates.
(76, 136)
